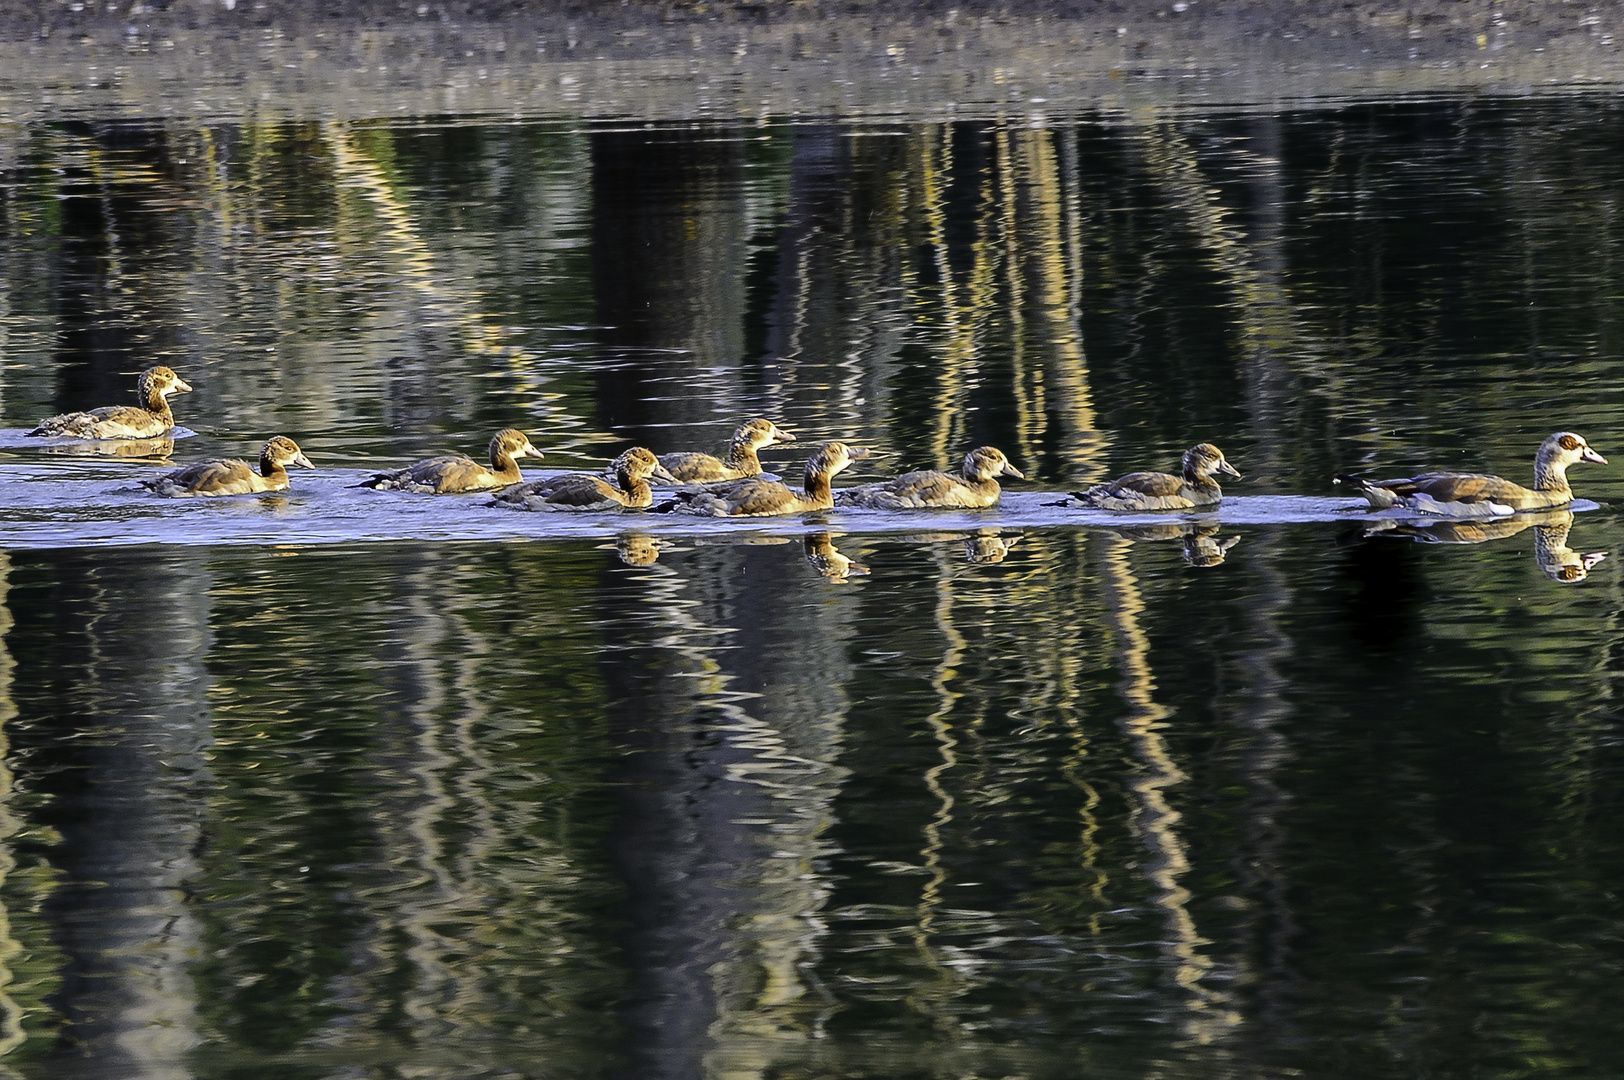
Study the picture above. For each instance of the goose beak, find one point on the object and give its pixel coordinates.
(660, 473)
(1228, 469)
(1011, 470)
(780, 435)
(856, 453)
(301, 460)
(1587, 454)
(180, 386)
(530, 451)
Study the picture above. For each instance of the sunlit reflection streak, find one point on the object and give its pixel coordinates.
(958, 347)
(11, 1013)
(1261, 709)
(415, 262)
(1056, 260)
(1269, 325)
(1153, 819)
(754, 903)
(945, 671)
(437, 676)
(1026, 411)
(122, 912)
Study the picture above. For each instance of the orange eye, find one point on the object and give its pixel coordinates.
(1568, 442)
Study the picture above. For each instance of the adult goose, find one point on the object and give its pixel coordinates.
(451, 474)
(1476, 495)
(741, 460)
(758, 497)
(584, 492)
(147, 420)
(229, 476)
(973, 487)
(1193, 489)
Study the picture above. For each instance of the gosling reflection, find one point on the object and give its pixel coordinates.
(989, 546)
(639, 549)
(826, 559)
(124, 448)
(983, 547)
(1556, 560)
(1203, 547)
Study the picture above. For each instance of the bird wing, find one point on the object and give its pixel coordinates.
(1463, 488)
(691, 468)
(578, 489)
(1159, 484)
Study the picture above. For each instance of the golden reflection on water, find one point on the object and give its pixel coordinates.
(1210, 1014)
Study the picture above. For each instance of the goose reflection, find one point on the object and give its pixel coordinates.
(129, 448)
(1202, 545)
(639, 549)
(989, 546)
(984, 546)
(826, 559)
(1556, 560)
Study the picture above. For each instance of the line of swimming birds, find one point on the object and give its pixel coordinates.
(731, 486)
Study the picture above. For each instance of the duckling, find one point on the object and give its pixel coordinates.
(1474, 495)
(148, 420)
(228, 476)
(1162, 491)
(585, 492)
(451, 474)
(757, 497)
(741, 461)
(973, 488)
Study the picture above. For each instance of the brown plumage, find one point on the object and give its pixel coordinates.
(583, 492)
(741, 460)
(1162, 491)
(757, 497)
(148, 420)
(973, 487)
(229, 476)
(1451, 494)
(451, 474)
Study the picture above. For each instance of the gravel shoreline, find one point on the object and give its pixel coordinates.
(780, 58)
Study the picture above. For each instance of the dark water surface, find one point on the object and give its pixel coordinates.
(345, 784)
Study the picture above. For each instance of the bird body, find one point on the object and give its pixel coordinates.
(741, 461)
(1481, 495)
(757, 497)
(973, 487)
(230, 476)
(451, 474)
(586, 493)
(1193, 489)
(148, 420)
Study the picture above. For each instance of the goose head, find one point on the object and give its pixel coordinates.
(1204, 459)
(512, 442)
(759, 432)
(832, 458)
(160, 381)
(639, 463)
(986, 462)
(279, 452)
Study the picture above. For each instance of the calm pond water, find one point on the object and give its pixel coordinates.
(344, 784)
